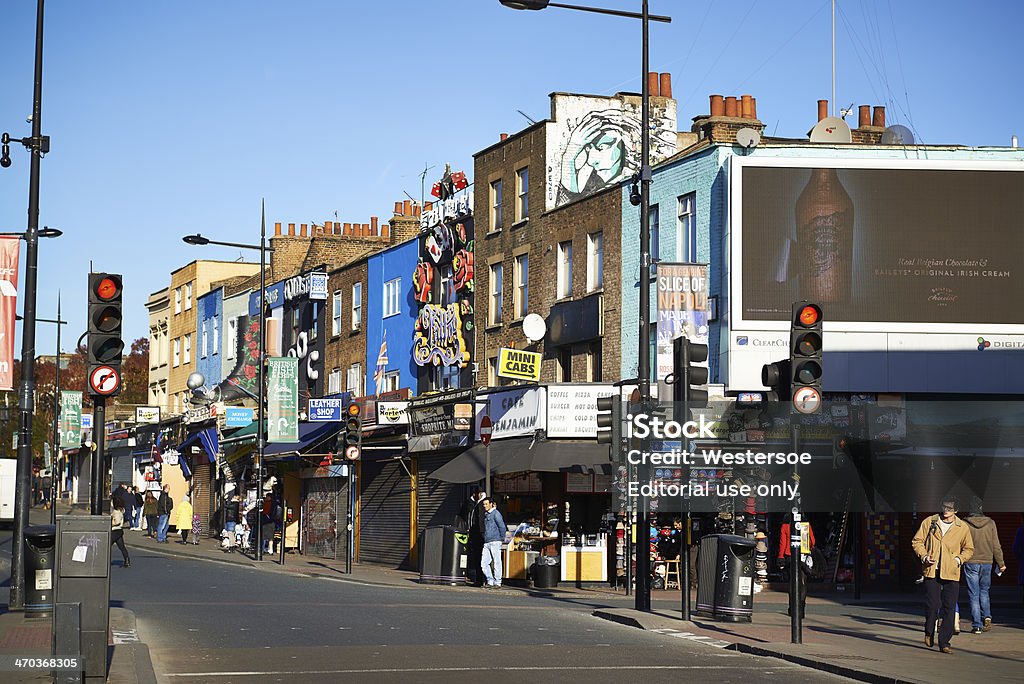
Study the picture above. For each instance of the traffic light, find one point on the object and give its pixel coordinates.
(353, 432)
(840, 451)
(805, 357)
(104, 345)
(609, 415)
(690, 380)
(776, 377)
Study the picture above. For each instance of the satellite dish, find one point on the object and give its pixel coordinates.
(748, 137)
(534, 327)
(831, 129)
(897, 135)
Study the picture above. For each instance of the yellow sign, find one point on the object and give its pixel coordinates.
(520, 365)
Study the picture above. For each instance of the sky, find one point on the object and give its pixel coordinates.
(171, 118)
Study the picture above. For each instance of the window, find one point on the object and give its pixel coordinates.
(594, 362)
(216, 336)
(565, 364)
(492, 371)
(177, 352)
(494, 314)
(232, 337)
(391, 381)
(392, 297)
(175, 402)
(653, 219)
(336, 314)
(177, 300)
(595, 261)
(188, 296)
(522, 193)
(448, 295)
(334, 381)
(188, 349)
(686, 229)
(357, 306)
(354, 380)
(496, 223)
(563, 270)
(204, 343)
(522, 294)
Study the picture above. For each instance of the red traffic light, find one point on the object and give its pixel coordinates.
(108, 288)
(809, 315)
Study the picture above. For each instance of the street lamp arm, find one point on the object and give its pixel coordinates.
(198, 239)
(520, 5)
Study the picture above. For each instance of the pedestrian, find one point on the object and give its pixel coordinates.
(978, 570)
(267, 526)
(117, 529)
(164, 506)
(471, 520)
(785, 561)
(45, 483)
(149, 506)
(943, 543)
(494, 535)
(37, 486)
(1018, 553)
(137, 508)
(231, 514)
(184, 519)
(121, 493)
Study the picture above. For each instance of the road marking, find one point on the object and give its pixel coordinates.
(413, 670)
(124, 636)
(690, 636)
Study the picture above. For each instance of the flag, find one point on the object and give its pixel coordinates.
(9, 247)
(382, 362)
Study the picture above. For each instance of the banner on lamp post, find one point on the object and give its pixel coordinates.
(283, 399)
(9, 247)
(70, 420)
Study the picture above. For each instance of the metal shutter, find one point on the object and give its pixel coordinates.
(121, 465)
(437, 503)
(324, 517)
(202, 492)
(384, 510)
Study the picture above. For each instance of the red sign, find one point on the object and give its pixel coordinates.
(9, 247)
(485, 430)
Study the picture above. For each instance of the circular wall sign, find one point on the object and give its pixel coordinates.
(352, 452)
(104, 380)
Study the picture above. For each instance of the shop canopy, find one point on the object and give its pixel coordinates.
(523, 455)
(313, 438)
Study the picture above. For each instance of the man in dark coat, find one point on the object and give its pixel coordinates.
(471, 519)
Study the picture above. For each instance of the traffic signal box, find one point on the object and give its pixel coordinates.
(609, 421)
(805, 357)
(690, 386)
(353, 446)
(104, 344)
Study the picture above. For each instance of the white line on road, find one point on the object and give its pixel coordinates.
(413, 670)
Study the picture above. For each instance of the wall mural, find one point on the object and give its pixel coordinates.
(444, 279)
(594, 143)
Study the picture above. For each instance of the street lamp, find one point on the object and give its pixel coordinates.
(198, 239)
(643, 560)
(38, 145)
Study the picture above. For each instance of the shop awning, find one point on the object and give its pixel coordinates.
(523, 455)
(312, 436)
(208, 438)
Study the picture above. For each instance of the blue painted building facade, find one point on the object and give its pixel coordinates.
(391, 315)
(209, 335)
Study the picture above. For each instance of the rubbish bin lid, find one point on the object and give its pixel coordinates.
(735, 540)
(41, 532)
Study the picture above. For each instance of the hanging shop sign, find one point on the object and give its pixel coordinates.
(71, 420)
(283, 399)
(237, 417)
(9, 249)
(442, 421)
(147, 414)
(682, 310)
(328, 410)
(274, 295)
(572, 409)
(203, 413)
(513, 413)
(392, 413)
(318, 286)
(519, 365)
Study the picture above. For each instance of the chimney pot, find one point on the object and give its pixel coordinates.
(652, 84)
(373, 225)
(748, 107)
(416, 210)
(863, 116)
(666, 85)
(385, 231)
(717, 105)
(504, 137)
(277, 228)
(398, 208)
(428, 206)
(822, 109)
(348, 229)
(406, 208)
(879, 117)
(302, 230)
(753, 108)
(337, 228)
(328, 226)
(730, 107)
(366, 230)
(291, 229)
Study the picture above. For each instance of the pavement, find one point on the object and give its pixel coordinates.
(878, 638)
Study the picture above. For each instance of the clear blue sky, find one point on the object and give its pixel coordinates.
(169, 118)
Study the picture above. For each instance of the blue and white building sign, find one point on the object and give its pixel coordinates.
(318, 286)
(329, 410)
(238, 417)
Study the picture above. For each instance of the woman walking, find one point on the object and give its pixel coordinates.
(117, 529)
(184, 519)
(149, 511)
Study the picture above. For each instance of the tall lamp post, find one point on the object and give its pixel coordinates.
(261, 394)
(643, 560)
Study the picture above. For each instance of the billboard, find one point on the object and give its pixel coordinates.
(884, 245)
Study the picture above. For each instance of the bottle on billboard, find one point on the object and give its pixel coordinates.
(824, 233)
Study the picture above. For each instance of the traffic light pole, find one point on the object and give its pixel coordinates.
(99, 457)
(684, 547)
(795, 561)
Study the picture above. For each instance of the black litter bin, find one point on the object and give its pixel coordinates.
(726, 578)
(443, 556)
(39, 570)
(545, 574)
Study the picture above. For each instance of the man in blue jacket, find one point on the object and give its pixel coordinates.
(494, 535)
